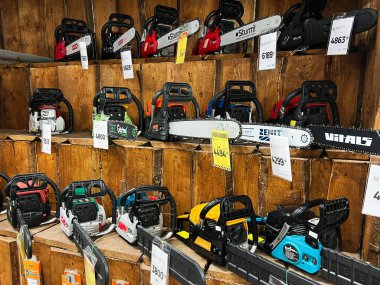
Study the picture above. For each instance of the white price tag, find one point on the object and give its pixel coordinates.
(280, 157)
(159, 269)
(371, 203)
(267, 54)
(340, 36)
(32, 281)
(126, 63)
(83, 54)
(100, 133)
(46, 138)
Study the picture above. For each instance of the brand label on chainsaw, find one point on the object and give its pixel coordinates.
(340, 36)
(159, 269)
(372, 196)
(83, 55)
(100, 134)
(280, 157)
(221, 149)
(126, 63)
(124, 39)
(46, 138)
(355, 140)
(267, 54)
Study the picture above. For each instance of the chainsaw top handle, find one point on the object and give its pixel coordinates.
(51, 96)
(69, 193)
(322, 91)
(229, 211)
(230, 10)
(235, 92)
(32, 182)
(139, 202)
(126, 20)
(71, 26)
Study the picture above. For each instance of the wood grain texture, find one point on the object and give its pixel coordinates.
(55, 237)
(43, 77)
(131, 8)
(43, 254)
(320, 178)
(10, 25)
(54, 13)
(9, 261)
(77, 9)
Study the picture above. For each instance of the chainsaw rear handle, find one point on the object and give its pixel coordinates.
(117, 91)
(231, 10)
(69, 193)
(26, 237)
(116, 18)
(166, 15)
(138, 202)
(233, 94)
(32, 182)
(71, 26)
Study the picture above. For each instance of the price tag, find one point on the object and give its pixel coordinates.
(159, 269)
(371, 203)
(181, 48)
(46, 138)
(280, 157)
(100, 134)
(221, 149)
(267, 54)
(33, 271)
(89, 271)
(83, 54)
(126, 63)
(340, 36)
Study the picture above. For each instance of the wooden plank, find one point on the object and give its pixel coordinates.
(209, 182)
(295, 152)
(245, 176)
(143, 166)
(278, 192)
(17, 157)
(320, 178)
(7, 230)
(9, 261)
(55, 237)
(77, 163)
(43, 254)
(343, 154)
(54, 13)
(176, 175)
(131, 8)
(77, 10)
(43, 77)
(10, 25)
(184, 145)
(112, 76)
(78, 86)
(348, 179)
(15, 93)
(371, 240)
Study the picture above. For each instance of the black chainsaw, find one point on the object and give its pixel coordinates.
(5, 179)
(112, 104)
(68, 35)
(305, 27)
(44, 107)
(117, 34)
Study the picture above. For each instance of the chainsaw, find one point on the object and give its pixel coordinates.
(161, 32)
(245, 91)
(80, 203)
(213, 225)
(169, 121)
(68, 35)
(112, 103)
(44, 107)
(137, 208)
(305, 27)
(225, 29)
(117, 33)
(6, 179)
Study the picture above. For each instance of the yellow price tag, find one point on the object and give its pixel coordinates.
(221, 149)
(181, 48)
(89, 271)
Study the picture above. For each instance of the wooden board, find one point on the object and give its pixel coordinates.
(7, 230)
(9, 261)
(371, 240)
(43, 77)
(320, 174)
(54, 13)
(55, 237)
(10, 22)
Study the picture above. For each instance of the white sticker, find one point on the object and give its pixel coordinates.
(83, 54)
(159, 269)
(46, 138)
(340, 36)
(126, 63)
(267, 54)
(32, 281)
(100, 133)
(371, 203)
(280, 157)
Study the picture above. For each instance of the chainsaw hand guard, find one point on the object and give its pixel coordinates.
(68, 32)
(79, 202)
(4, 177)
(236, 91)
(28, 193)
(122, 23)
(135, 207)
(44, 106)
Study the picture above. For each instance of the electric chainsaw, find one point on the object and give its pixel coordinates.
(305, 27)
(245, 91)
(67, 37)
(137, 208)
(225, 29)
(117, 33)
(213, 225)
(44, 107)
(80, 203)
(6, 179)
(161, 32)
(169, 121)
(111, 103)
